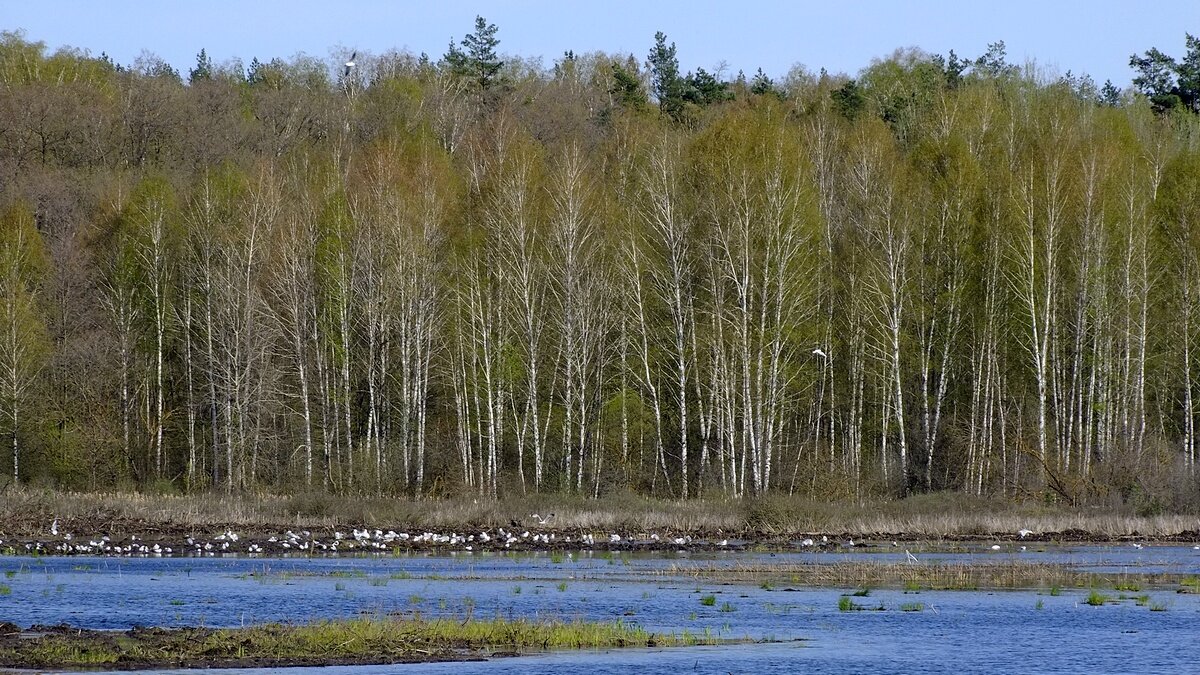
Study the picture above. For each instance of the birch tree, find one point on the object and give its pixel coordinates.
(23, 341)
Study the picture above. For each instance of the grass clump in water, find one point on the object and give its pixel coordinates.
(726, 607)
(912, 607)
(1096, 598)
(708, 600)
(846, 604)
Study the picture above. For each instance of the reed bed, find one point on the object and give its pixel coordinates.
(941, 515)
(932, 576)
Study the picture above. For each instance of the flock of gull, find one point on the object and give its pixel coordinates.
(364, 540)
(369, 540)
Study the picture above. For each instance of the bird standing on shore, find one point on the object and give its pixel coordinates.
(54, 527)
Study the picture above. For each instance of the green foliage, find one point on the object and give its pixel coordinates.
(203, 71)
(627, 89)
(477, 59)
(762, 85)
(666, 83)
(1167, 83)
(848, 100)
(994, 63)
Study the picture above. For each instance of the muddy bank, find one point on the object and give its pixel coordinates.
(63, 646)
(77, 537)
(81, 537)
(349, 642)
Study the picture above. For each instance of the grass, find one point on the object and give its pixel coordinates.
(26, 512)
(912, 607)
(708, 600)
(847, 604)
(5, 589)
(363, 640)
(726, 607)
(1095, 598)
(933, 576)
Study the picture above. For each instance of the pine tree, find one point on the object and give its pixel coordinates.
(477, 58)
(665, 83)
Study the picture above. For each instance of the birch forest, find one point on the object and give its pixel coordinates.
(422, 276)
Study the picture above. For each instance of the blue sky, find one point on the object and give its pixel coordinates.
(1092, 37)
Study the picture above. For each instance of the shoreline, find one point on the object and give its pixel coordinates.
(359, 641)
(54, 523)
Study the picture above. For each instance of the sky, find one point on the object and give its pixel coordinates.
(1096, 37)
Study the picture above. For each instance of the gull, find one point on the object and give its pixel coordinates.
(910, 557)
(349, 64)
(54, 527)
(995, 547)
(1137, 546)
(543, 520)
(1024, 533)
(820, 353)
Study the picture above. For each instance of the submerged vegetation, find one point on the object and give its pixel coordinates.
(358, 641)
(422, 278)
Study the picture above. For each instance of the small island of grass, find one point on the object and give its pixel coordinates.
(364, 640)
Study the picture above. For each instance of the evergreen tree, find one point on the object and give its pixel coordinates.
(666, 83)
(627, 90)
(762, 85)
(1110, 95)
(848, 100)
(703, 88)
(477, 59)
(203, 69)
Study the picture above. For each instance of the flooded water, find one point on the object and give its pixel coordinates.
(929, 631)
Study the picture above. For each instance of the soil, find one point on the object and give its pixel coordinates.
(20, 649)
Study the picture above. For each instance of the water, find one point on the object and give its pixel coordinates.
(959, 631)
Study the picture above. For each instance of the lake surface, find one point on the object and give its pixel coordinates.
(959, 631)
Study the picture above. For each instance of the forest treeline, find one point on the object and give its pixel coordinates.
(408, 276)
